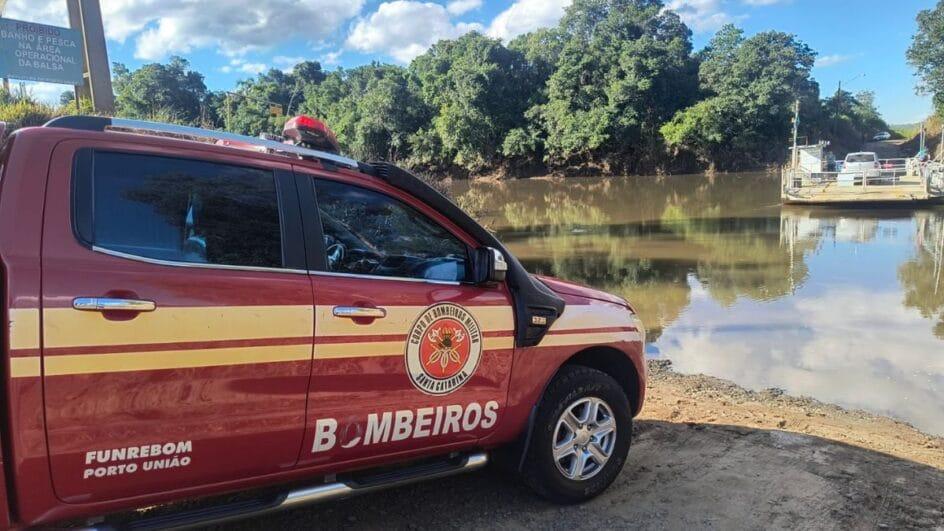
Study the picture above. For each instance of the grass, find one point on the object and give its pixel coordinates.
(905, 130)
(26, 113)
(19, 109)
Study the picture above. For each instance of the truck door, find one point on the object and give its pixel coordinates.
(177, 320)
(409, 357)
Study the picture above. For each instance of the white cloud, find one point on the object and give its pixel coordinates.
(52, 12)
(404, 29)
(527, 15)
(824, 61)
(234, 27)
(331, 58)
(287, 63)
(246, 67)
(703, 15)
(285, 60)
(253, 68)
(884, 362)
(458, 7)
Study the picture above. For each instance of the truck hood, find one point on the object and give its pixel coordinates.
(563, 287)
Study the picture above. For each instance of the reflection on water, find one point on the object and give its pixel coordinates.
(846, 306)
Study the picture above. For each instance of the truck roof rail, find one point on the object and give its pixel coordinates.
(101, 123)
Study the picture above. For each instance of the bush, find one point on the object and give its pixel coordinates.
(26, 113)
(19, 109)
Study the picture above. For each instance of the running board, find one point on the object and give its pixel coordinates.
(355, 485)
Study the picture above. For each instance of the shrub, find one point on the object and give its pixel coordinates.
(25, 113)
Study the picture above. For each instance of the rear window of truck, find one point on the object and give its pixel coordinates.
(861, 157)
(181, 210)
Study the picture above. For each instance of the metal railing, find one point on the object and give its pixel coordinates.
(935, 177)
(878, 177)
(890, 172)
(183, 132)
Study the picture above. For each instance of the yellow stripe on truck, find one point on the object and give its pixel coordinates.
(597, 338)
(70, 328)
(367, 349)
(66, 327)
(399, 319)
(61, 365)
(24, 328)
(583, 316)
(25, 367)
(173, 359)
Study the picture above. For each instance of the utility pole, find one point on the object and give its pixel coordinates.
(940, 146)
(86, 16)
(796, 130)
(921, 144)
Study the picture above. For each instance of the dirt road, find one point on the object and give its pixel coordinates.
(887, 149)
(706, 454)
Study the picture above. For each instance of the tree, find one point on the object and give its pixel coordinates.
(926, 54)
(167, 92)
(624, 69)
(541, 49)
(478, 90)
(853, 116)
(749, 87)
(247, 109)
(374, 109)
(66, 97)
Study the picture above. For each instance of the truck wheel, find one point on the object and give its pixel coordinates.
(580, 438)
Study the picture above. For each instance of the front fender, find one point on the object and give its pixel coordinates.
(588, 331)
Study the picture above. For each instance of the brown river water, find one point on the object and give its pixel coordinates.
(843, 305)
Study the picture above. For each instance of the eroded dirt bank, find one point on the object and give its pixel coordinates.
(706, 454)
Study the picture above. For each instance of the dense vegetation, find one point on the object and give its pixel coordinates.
(926, 54)
(615, 87)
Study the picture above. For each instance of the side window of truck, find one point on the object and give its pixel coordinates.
(369, 233)
(178, 210)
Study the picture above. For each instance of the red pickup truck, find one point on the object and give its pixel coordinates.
(192, 313)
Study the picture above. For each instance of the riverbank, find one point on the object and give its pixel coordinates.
(700, 399)
(543, 172)
(706, 454)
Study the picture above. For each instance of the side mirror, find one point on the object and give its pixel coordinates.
(489, 265)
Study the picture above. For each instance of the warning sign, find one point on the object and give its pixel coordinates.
(37, 52)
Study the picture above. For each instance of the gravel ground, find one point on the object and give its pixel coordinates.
(706, 454)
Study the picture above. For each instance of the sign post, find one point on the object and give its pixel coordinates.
(86, 16)
(74, 56)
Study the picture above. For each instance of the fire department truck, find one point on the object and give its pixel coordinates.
(191, 313)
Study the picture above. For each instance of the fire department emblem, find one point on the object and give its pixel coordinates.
(443, 349)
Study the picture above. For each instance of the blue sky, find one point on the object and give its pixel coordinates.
(861, 43)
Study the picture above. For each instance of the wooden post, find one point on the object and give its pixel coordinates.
(6, 82)
(86, 16)
(796, 131)
(921, 144)
(794, 157)
(940, 145)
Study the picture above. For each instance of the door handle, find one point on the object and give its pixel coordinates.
(105, 304)
(359, 312)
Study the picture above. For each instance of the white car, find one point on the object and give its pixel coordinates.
(858, 165)
(884, 135)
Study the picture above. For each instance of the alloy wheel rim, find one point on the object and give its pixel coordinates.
(584, 438)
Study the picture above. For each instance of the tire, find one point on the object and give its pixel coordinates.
(573, 389)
